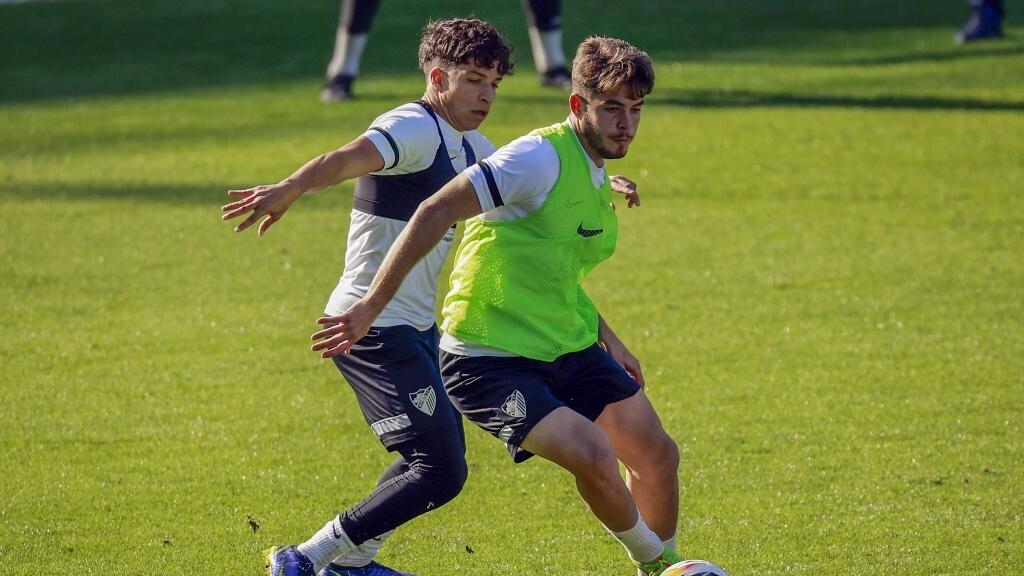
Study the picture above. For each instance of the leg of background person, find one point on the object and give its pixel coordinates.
(436, 474)
(353, 30)
(545, 27)
(591, 459)
(367, 551)
(651, 459)
(986, 21)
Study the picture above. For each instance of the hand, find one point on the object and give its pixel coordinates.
(344, 330)
(618, 351)
(627, 188)
(270, 201)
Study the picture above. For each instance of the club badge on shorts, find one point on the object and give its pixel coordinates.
(425, 400)
(515, 405)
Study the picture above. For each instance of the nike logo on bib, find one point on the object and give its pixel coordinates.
(588, 233)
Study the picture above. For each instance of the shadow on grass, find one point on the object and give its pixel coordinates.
(747, 99)
(1005, 47)
(213, 195)
(53, 51)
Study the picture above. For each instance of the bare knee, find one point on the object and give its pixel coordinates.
(592, 456)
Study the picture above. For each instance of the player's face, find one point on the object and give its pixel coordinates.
(610, 121)
(469, 94)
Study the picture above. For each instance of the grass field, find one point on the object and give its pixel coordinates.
(825, 284)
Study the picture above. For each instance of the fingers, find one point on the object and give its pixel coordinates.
(636, 373)
(265, 225)
(627, 188)
(248, 221)
(333, 340)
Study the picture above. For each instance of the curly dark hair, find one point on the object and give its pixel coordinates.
(603, 64)
(463, 41)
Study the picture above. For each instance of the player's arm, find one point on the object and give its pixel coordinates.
(618, 351)
(457, 200)
(357, 158)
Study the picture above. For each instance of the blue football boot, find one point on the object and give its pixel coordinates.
(371, 569)
(288, 561)
(986, 22)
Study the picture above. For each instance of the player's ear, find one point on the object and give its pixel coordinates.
(576, 104)
(438, 79)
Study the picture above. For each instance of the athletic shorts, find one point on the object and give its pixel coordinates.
(509, 396)
(394, 374)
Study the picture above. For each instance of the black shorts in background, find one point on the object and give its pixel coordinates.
(394, 374)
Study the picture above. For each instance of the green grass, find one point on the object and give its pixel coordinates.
(825, 285)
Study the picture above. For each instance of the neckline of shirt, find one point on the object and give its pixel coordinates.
(452, 137)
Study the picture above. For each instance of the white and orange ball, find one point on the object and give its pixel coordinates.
(695, 568)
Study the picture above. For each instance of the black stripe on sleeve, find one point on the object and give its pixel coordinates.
(491, 185)
(394, 147)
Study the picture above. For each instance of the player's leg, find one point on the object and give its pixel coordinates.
(360, 562)
(509, 398)
(394, 374)
(596, 386)
(651, 459)
(544, 18)
(986, 21)
(354, 24)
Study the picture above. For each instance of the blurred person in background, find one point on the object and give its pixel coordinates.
(545, 27)
(985, 23)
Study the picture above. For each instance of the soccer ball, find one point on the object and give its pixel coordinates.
(694, 568)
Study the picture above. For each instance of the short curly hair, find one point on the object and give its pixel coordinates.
(464, 41)
(602, 64)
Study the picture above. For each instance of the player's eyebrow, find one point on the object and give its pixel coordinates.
(614, 102)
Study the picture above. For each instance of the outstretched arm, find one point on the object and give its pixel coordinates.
(357, 158)
(457, 200)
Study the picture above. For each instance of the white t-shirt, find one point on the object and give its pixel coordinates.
(370, 237)
(524, 172)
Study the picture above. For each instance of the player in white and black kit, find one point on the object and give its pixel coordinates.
(544, 18)
(405, 156)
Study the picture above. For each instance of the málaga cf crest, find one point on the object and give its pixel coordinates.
(425, 400)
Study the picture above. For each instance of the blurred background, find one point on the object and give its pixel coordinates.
(824, 285)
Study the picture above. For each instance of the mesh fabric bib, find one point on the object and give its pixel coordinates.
(516, 283)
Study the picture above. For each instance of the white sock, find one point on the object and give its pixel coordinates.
(364, 553)
(670, 544)
(348, 51)
(326, 545)
(547, 49)
(642, 544)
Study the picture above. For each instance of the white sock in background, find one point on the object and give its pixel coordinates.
(642, 544)
(348, 51)
(326, 545)
(547, 49)
(364, 553)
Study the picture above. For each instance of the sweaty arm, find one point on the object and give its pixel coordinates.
(357, 158)
(457, 200)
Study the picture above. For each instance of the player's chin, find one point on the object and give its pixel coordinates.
(475, 119)
(616, 151)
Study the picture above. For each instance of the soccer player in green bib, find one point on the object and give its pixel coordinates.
(525, 354)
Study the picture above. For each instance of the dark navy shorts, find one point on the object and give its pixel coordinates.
(394, 373)
(509, 396)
